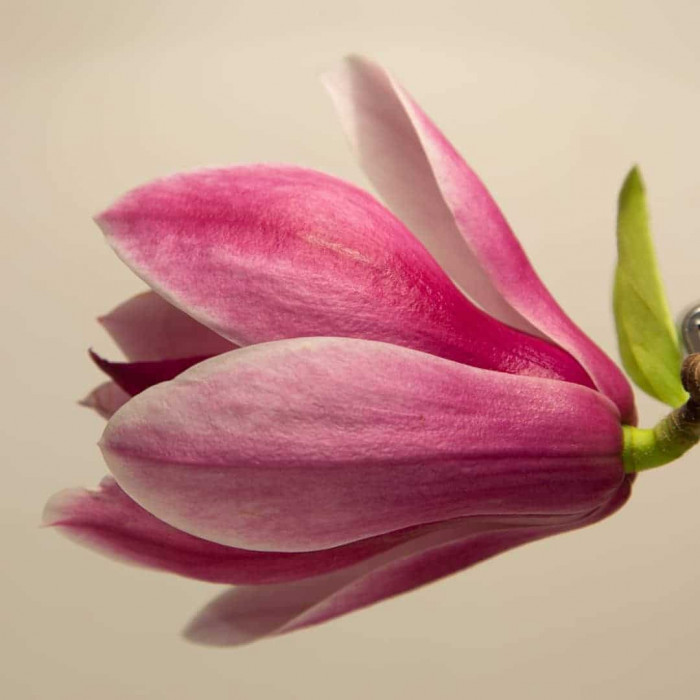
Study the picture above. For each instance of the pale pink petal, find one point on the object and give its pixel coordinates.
(259, 253)
(107, 520)
(248, 613)
(106, 399)
(312, 443)
(427, 183)
(146, 327)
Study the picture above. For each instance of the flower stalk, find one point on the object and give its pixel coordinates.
(673, 435)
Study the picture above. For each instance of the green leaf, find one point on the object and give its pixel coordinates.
(645, 330)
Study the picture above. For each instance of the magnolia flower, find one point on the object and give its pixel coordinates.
(327, 402)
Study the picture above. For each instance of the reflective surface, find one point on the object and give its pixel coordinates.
(690, 330)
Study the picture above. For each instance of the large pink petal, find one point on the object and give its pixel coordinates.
(147, 328)
(427, 183)
(260, 253)
(108, 521)
(249, 613)
(135, 377)
(313, 443)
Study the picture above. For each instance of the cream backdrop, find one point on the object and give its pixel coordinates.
(551, 102)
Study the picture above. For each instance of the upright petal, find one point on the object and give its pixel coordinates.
(427, 183)
(248, 613)
(148, 328)
(312, 443)
(259, 253)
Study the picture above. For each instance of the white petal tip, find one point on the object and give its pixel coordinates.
(206, 630)
(59, 507)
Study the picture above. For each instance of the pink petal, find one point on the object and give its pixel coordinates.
(135, 377)
(427, 183)
(146, 327)
(259, 253)
(249, 613)
(108, 521)
(312, 443)
(106, 399)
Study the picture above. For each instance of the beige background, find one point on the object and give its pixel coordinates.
(552, 102)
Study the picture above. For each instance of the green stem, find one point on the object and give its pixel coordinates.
(673, 435)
